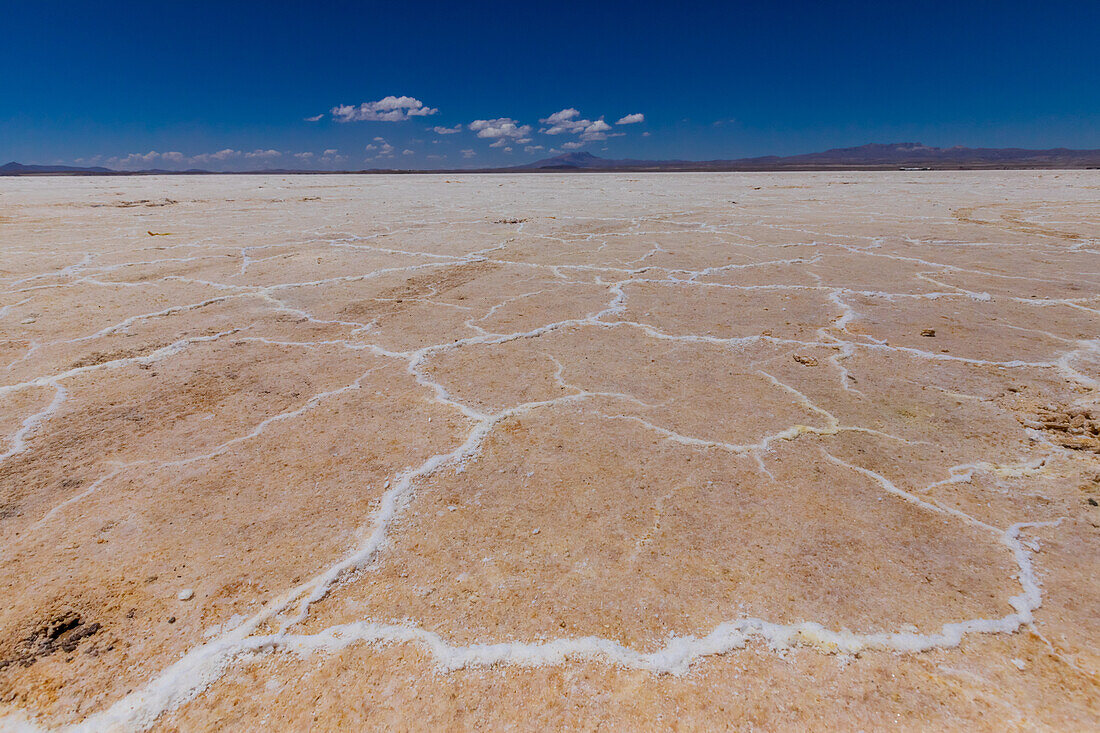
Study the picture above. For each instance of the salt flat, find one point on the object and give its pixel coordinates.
(762, 451)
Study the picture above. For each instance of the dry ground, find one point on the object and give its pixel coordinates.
(760, 451)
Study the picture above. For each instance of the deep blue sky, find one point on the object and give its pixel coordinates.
(97, 81)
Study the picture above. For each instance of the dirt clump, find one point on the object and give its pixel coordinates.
(62, 632)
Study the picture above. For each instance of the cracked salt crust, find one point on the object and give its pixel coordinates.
(359, 413)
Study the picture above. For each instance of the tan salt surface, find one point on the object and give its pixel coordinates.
(761, 451)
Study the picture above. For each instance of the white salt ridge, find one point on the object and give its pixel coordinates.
(29, 425)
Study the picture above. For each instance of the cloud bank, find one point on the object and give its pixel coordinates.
(386, 109)
(503, 130)
(569, 121)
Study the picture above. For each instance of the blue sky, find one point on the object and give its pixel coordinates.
(233, 85)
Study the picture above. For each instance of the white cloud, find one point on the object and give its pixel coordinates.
(468, 153)
(563, 121)
(331, 157)
(447, 130)
(135, 160)
(532, 148)
(387, 109)
(572, 145)
(596, 131)
(263, 154)
(569, 121)
(385, 150)
(314, 118)
(406, 151)
(502, 128)
(631, 119)
(225, 154)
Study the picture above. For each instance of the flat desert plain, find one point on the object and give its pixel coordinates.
(617, 452)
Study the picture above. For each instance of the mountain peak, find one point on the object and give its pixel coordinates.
(579, 159)
(579, 155)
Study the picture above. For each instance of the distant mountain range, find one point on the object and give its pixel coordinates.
(891, 156)
(18, 169)
(865, 157)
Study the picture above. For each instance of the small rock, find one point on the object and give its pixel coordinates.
(171, 619)
(1093, 502)
(928, 332)
(186, 594)
(805, 360)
